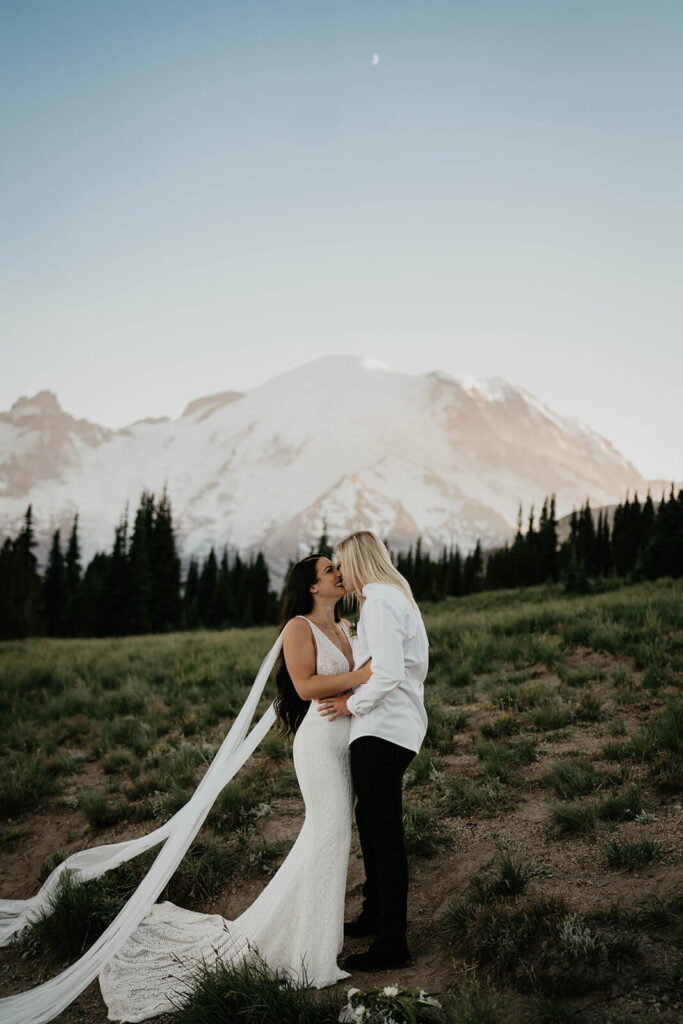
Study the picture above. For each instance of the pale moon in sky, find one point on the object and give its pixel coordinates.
(375, 59)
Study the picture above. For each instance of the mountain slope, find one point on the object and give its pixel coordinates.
(340, 439)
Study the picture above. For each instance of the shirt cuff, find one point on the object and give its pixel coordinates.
(349, 707)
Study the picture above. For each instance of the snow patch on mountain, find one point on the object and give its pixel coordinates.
(343, 440)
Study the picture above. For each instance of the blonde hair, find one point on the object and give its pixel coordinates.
(366, 560)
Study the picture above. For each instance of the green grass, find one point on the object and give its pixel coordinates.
(545, 719)
(443, 724)
(423, 768)
(475, 1001)
(504, 725)
(620, 806)
(26, 780)
(505, 876)
(571, 778)
(658, 913)
(423, 833)
(631, 855)
(253, 994)
(464, 797)
(512, 675)
(573, 819)
(78, 914)
(501, 760)
(99, 810)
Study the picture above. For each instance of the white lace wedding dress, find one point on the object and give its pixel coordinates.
(297, 922)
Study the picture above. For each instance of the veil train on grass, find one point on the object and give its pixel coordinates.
(46, 1001)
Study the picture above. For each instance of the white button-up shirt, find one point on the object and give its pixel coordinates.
(391, 704)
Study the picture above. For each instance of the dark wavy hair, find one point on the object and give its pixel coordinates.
(297, 600)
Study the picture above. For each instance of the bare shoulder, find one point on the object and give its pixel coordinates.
(297, 630)
(298, 635)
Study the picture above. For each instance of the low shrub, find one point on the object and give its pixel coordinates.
(571, 778)
(631, 855)
(620, 807)
(573, 819)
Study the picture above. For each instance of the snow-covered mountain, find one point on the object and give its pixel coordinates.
(341, 440)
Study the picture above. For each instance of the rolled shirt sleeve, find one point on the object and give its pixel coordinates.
(384, 638)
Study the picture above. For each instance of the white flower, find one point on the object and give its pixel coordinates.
(390, 990)
(359, 1014)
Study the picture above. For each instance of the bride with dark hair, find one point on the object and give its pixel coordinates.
(148, 957)
(297, 923)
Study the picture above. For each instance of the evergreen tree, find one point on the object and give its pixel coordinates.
(141, 583)
(190, 616)
(95, 596)
(547, 543)
(73, 625)
(473, 571)
(587, 541)
(9, 626)
(207, 589)
(603, 546)
(218, 612)
(118, 589)
(23, 583)
(663, 554)
(625, 536)
(260, 589)
(455, 574)
(238, 592)
(55, 589)
(165, 569)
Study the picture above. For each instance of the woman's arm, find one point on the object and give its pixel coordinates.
(300, 658)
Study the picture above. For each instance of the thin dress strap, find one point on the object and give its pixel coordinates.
(317, 629)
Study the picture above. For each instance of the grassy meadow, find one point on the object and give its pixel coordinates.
(542, 816)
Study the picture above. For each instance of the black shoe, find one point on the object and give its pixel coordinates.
(379, 957)
(364, 924)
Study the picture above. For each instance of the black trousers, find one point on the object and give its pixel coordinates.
(377, 768)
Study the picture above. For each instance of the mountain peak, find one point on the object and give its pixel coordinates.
(42, 403)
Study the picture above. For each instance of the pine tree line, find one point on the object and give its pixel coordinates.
(135, 588)
(138, 588)
(641, 543)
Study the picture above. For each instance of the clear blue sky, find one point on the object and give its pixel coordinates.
(197, 195)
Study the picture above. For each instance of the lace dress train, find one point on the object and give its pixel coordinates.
(296, 924)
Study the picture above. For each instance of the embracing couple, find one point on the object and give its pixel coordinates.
(355, 732)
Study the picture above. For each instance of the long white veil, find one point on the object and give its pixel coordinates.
(46, 1001)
